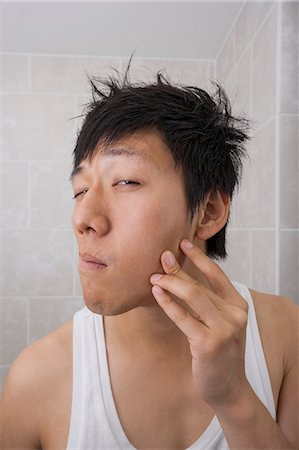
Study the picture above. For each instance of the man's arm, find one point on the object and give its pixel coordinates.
(288, 404)
(216, 330)
(253, 419)
(19, 405)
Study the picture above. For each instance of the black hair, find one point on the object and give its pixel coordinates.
(205, 140)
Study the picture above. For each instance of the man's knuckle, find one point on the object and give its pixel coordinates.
(193, 289)
(176, 269)
(240, 317)
(180, 316)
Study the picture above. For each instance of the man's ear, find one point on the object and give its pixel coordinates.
(213, 214)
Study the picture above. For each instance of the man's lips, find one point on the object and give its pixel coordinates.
(91, 262)
(89, 258)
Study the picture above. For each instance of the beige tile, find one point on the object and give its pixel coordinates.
(1, 71)
(37, 263)
(263, 261)
(81, 103)
(1, 126)
(250, 19)
(290, 58)
(264, 71)
(212, 72)
(78, 288)
(13, 329)
(226, 59)
(77, 285)
(3, 375)
(179, 71)
(51, 195)
(68, 74)
(254, 204)
(238, 86)
(15, 195)
(47, 314)
(1, 263)
(15, 73)
(289, 183)
(1, 195)
(237, 265)
(38, 127)
(195, 73)
(289, 264)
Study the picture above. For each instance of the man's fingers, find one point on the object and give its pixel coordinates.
(217, 279)
(195, 296)
(191, 327)
(171, 266)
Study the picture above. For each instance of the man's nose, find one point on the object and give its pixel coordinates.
(90, 215)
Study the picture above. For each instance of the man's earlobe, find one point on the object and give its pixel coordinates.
(213, 214)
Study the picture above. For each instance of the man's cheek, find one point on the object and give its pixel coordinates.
(144, 260)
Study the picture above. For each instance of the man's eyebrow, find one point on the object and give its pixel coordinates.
(116, 151)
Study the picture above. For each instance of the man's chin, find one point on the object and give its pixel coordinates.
(104, 309)
(117, 301)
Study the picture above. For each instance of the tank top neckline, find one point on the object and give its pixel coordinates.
(206, 439)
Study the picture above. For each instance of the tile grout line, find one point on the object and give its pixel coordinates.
(230, 30)
(29, 74)
(277, 144)
(256, 32)
(265, 124)
(105, 59)
(231, 228)
(29, 197)
(28, 322)
(74, 267)
(251, 81)
(60, 297)
(251, 256)
(46, 93)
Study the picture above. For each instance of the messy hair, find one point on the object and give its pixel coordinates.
(205, 140)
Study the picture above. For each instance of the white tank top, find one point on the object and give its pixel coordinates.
(94, 419)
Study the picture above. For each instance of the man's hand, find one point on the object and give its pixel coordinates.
(214, 321)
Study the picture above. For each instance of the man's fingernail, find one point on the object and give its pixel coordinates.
(169, 258)
(155, 277)
(186, 243)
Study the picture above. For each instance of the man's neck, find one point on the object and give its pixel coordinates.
(147, 332)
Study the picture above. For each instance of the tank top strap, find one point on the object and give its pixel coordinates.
(255, 362)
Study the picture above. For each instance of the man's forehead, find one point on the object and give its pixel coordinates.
(135, 154)
(143, 147)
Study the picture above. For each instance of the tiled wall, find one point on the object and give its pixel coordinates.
(39, 283)
(258, 65)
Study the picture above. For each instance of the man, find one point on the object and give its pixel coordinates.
(168, 352)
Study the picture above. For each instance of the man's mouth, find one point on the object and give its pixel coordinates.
(91, 262)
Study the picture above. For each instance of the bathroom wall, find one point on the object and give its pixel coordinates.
(258, 66)
(39, 283)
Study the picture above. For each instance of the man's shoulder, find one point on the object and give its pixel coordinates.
(281, 308)
(42, 360)
(278, 321)
(31, 383)
(45, 353)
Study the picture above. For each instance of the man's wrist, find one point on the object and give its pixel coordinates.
(241, 409)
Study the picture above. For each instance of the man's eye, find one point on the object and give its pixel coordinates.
(126, 182)
(79, 193)
(121, 182)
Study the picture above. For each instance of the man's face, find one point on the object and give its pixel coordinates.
(128, 225)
